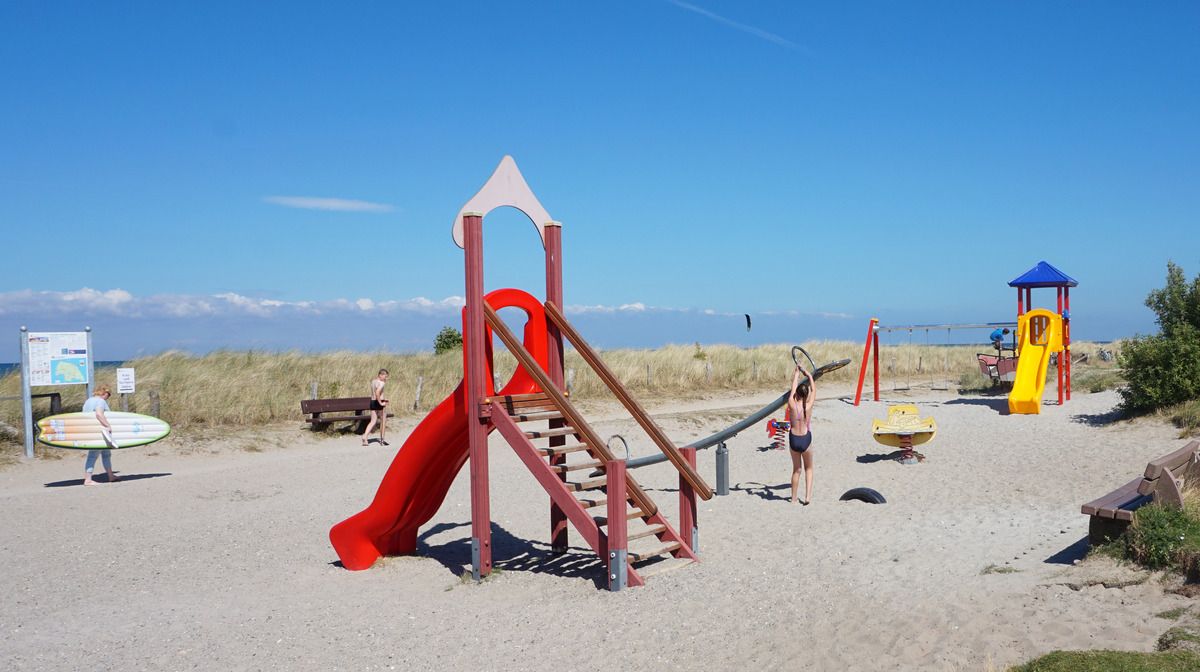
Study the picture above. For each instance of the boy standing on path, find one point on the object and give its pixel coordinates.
(378, 408)
(98, 404)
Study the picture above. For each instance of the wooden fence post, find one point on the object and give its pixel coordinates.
(154, 406)
(417, 398)
(570, 380)
(312, 390)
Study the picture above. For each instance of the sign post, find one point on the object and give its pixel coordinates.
(125, 385)
(26, 400)
(53, 358)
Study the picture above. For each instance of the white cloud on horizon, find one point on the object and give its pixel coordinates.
(28, 304)
(756, 32)
(330, 204)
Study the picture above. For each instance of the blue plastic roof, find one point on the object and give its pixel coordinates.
(1043, 275)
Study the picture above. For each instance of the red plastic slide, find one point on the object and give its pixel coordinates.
(419, 477)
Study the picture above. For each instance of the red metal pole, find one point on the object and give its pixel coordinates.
(1028, 299)
(477, 431)
(875, 366)
(862, 370)
(1061, 364)
(1020, 303)
(1067, 335)
(688, 523)
(618, 530)
(554, 295)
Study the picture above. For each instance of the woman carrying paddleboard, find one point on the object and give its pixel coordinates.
(800, 405)
(98, 404)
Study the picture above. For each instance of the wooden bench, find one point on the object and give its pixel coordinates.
(1162, 482)
(322, 412)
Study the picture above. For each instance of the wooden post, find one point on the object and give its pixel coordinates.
(570, 382)
(312, 390)
(688, 523)
(1061, 365)
(124, 403)
(708, 372)
(554, 294)
(475, 370)
(154, 406)
(875, 366)
(754, 369)
(417, 397)
(1067, 335)
(618, 530)
(649, 380)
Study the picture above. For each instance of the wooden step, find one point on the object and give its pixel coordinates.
(535, 416)
(664, 566)
(648, 531)
(562, 450)
(646, 555)
(632, 515)
(593, 484)
(593, 503)
(560, 431)
(564, 468)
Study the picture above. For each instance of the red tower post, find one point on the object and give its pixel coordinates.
(862, 370)
(477, 430)
(1067, 335)
(554, 295)
(1061, 364)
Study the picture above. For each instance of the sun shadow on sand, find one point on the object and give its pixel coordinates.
(763, 491)
(512, 554)
(999, 405)
(1099, 419)
(103, 478)
(871, 458)
(1070, 554)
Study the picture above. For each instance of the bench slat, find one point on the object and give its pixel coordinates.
(335, 405)
(1175, 460)
(1123, 494)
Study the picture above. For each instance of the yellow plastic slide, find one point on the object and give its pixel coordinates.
(1039, 333)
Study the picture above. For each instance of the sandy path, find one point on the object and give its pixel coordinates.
(218, 559)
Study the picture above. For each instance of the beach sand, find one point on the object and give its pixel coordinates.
(214, 554)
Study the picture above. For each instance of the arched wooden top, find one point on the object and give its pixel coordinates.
(506, 186)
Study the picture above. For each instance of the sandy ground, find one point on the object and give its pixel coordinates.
(214, 555)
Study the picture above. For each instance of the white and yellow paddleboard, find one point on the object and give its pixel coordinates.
(903, 420)
(83, 431)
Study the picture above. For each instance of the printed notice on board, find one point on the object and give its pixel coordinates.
(58, 358)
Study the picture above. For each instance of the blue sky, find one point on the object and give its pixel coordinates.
(281, 175)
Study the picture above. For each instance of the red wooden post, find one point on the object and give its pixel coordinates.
(862, 370)
(1020, 303)
(477, 431)
(554, 295)
(875, 366)
(618, 525)
(688, 521)
(1061, 364)
(1067, 335)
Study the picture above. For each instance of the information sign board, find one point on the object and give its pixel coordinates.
(58, 358)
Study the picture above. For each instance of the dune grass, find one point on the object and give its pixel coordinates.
(1108, 661)
(246, 388)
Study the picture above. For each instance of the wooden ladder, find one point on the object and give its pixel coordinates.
(650, 536)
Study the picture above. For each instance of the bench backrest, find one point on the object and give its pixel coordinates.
(334, 405)
(1175, 462)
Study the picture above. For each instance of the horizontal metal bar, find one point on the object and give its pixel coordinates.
(924, 327)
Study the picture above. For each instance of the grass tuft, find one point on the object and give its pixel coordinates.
(1108, 661)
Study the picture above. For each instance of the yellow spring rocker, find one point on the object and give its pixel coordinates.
(903, 429)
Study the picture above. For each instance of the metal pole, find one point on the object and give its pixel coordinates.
(722, 469)
(26, 400)
(1061, 365)
(91, 364)
(862, 370)
(1067, 335)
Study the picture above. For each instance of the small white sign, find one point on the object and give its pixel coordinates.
(125, 381)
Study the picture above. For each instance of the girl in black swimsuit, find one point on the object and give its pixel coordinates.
(800, 405)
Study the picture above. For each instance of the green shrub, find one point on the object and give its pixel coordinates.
(1107, 661)
(1162, 536)
(446, 340)
(1164, 369)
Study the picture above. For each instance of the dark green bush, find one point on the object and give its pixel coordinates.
(1162, 536)
(446, 340)
(1163, 370)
